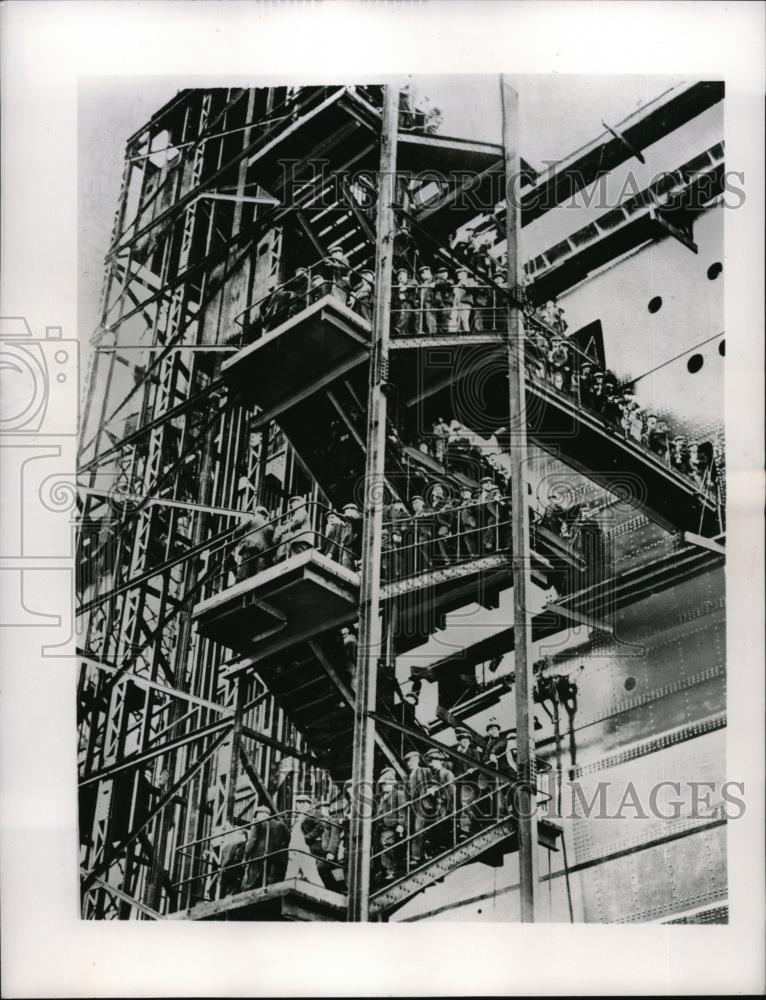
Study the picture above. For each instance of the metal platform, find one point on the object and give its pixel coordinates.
(299, 357)
(294, 899)
(294, 600)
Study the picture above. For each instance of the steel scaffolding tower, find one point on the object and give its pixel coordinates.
(228, 376)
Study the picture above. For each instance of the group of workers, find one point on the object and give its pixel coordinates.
(437, 300)
(437, 533)
(441, 801)
(444, 530)
(553, 358)
(265, 540)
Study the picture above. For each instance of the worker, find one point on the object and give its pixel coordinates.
(275, 307)
(537, 350)
(404, 304)
(679, 454)
(585, 385)
(422, 535)
(299, 286)
(352, 536)
(492, 751)
(418, 786)
(406, 110)
(231, 863)
(560, 324)
(462, 302)
(397, 526)
(559, 364)
(390, 825)
(444, 520)
(443, 299)
(489, 515)
(465, 776)
(548, 314)
(443, 801)
(425, 301)
(441, 434)
(255, 551)
(458, 452)
(297, 535)
(468, 537)
(598, 392)
(266, 850)
(333, 536)
(635, 419)
(362, 298)
(301, 862)
(336, 270)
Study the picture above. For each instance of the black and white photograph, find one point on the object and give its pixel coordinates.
(395, 497)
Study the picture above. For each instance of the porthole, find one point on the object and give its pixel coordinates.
(695, 362)
(714, 270)
(630, 683)
(722, 348)
(655, 304)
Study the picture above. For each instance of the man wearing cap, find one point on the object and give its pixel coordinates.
(558, 363)
(403, 308)
(351, 537)
(335, 271)
(390, 825)
(444, 523)
(467, 516)
(420, 536)
(296, 536)
(362, 298)
(679, 455)
(231, 864)
(255, 551)
(489, 515)
(299, 287)
(585, 385)
(462, 302)
(441, 434)
(492, 752)
(266, 850)
(443, 299)
(419, 791)
(465, 776)
(333, 536)
(425, 300)
(443, 799)
(598, 391)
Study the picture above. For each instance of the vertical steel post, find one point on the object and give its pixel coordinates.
(370, 645)
(522, 623)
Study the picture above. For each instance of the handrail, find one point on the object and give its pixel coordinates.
(313, 289)
(306, 534)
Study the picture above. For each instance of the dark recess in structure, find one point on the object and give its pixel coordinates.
(630, 683)
(722, 348)
(695, 362)
(714, 270)
(655, 304)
